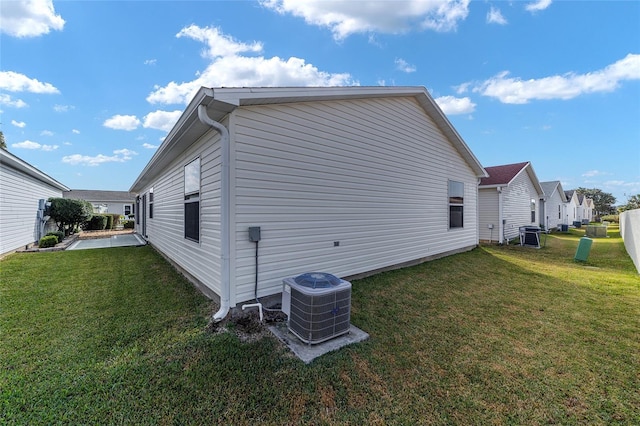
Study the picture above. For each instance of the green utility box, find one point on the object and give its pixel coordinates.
(584, 247)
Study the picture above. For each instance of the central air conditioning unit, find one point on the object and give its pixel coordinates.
(318, 306)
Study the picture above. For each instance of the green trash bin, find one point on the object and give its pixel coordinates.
(584, 247)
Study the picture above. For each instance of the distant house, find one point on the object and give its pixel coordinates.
(22, 187)
(507, 200)
(573, 207)
(120, 202)
(344, 180)
(553, 206)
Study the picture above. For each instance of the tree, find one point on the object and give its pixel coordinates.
(3, 144)
(602, 201)
(69, 213)
(632, 203)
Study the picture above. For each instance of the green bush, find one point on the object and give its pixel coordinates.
(48, 241)
(58, 234)
(97, 222)
(109, 224)
(128, 224)
(611, 218)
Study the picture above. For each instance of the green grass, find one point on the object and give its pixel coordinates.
(498, 335)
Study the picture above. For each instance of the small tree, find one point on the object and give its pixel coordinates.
(632, 203)
(3, 144)
(69, 213)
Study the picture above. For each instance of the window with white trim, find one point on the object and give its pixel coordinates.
(456, 204)
(533, 210)
(151, 203)
(192, 200)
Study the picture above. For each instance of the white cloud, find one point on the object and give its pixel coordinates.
(46, 133)
(592, 173)
(16, 82)
(34, 145)
(391, 17)
(120, 156)
(29, 18)
(149, 146)
(161, 120)
(494, 16)
(516, 91)
(538, 5)
(67, 143)
(8, 101)
(404, 66)
(122, 122)
(20, 124)
(228, 68)
(75, 131)
(150, 61)
(63, 108)
(451, 105)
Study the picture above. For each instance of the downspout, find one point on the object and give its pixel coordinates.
(500, 216)
(225, 222)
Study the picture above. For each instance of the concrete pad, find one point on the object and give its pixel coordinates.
(308, 353)
(124, 240)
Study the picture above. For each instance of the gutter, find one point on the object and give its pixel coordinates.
(225, 219)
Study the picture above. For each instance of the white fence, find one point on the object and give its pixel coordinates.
(630, 232)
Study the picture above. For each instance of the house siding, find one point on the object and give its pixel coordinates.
(19, 197)
(371, 175)
(551, 211)
(517, 205)
(488, 203)
(165, 231)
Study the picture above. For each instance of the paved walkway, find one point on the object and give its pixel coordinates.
(123, 240)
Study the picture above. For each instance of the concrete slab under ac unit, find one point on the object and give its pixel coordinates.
(308, 353)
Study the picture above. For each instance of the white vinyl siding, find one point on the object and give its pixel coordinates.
(517, 204)
(554, 211)
(19, 197)
(488, 207)
(370, 175)
(166, 230)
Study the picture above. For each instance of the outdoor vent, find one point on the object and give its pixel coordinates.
(318, 306)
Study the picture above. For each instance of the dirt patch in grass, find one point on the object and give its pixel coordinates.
(247, 325)
(92, 235)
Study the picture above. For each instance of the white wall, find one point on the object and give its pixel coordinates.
(371, 175)
(630, 232)
(19, 196)
(489, 215)
(165, 231)
(517, 205)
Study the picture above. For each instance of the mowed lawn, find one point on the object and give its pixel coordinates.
(498, 335)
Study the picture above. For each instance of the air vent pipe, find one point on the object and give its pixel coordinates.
(225, 222)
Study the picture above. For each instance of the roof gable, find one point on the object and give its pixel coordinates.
(222, 101)
(549, 188)
(502, 175)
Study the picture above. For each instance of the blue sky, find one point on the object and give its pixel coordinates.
(88, 89)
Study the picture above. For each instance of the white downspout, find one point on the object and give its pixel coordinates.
(225, 222)
(500, 216)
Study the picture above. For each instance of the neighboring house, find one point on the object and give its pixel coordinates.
(22, 186)
(344, 180)
(120, 202)
(587, 210)
(507, 200)
(573, 207)
(553, 205)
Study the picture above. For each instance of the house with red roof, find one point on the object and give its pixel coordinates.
(508, 199)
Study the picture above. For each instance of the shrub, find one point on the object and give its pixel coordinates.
(48, 241)
(98, 222)
(58, 234)
(109, 224)
(128, 224)
(611, 218)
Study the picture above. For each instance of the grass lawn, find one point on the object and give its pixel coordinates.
(498, 335)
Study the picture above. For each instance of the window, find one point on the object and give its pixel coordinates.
(192, 200)
(127, 210)
(533, 210)
(456, 204)
(151, 203)
(559, 213)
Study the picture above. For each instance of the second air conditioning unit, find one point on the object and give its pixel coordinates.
(318, 306)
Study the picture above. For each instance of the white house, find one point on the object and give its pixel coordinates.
(120, 202)
(22, 186)
(573, 207)
(507, 200)
(345, 180)
(553, 205)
